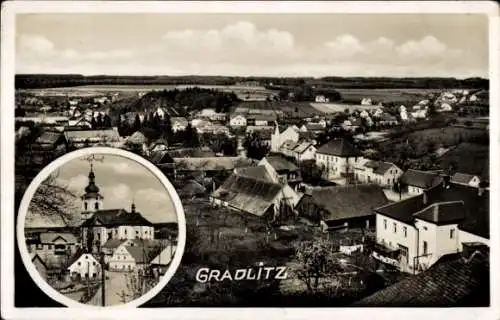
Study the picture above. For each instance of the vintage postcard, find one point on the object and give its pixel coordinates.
(308, 159)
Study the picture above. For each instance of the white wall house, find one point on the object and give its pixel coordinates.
(413, 234)
(178, 123)
(278, 138)
(466, 179)
(418, 181)
(300, 151)
(85, 267)
(321, 99)
(337, 158)
(238, 120)
(384, 174)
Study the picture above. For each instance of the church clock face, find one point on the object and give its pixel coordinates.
(101, 227)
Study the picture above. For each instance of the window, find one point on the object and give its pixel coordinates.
(49, 246)
(93, 263)
(404, 252)
(425, 228)
(86, 205)
(425, 247)
(39, 246)
(385, 224)
(452, 233)
(79, 263)
(125, 231)
(96, 205)
(394, 227)
(136, 231)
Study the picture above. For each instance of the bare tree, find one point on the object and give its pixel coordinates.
(54, 198)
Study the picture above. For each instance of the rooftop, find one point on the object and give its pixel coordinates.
(116, 217)
(339, 148)
(421, 179)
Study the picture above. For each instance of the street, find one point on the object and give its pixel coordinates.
(115, 284)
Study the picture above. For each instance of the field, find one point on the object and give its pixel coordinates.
(340, 107)
(243, 92)
(386, 95)
(469, 157)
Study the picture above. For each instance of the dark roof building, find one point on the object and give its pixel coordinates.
(421, 179)
(442, 203)
(116, 217)
(453, 281)
(462, 178)
(280, 163)
(339, 148)
(379, 167)
(341, 202)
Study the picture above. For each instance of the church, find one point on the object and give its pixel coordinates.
(100, 225)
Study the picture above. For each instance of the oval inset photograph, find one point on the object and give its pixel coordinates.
(101, 227)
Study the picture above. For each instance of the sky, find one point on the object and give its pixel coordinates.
(121, 181)
(312, 45)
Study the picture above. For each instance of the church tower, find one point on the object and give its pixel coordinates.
(92, 199)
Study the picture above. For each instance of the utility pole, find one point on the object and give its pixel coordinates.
(103, 280)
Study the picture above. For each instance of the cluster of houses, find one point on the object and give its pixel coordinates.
(96, 239)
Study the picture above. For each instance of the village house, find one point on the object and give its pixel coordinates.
(300, 151)
(99, 224)
(39, 264)
(132, 258)
(260, 119)
(466, 179)
(136, 142)
(211, 114)
(291, 133)
(414, 233)
(160, 113)
(50, 141)
(178, 123)
(80, 122)
(321, 99)
(87, 138)
(251, 191)
(162, 261)
(208, 166)
(237, 120)
(416, 181)
(85, 266)
(341, 207)
(49, 244)
(281, 170)
(384, 174)
(338, 158)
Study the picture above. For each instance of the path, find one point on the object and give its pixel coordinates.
(114, 286)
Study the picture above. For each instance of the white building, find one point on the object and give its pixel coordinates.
(321, 99)
(178, 123)
(366, 102)
(238, 120)
(131, 258)
(338, 158)
(85, 266)
(414, 233)
(466, 179)
(300, 151)
(418, 181)
(100, 225)
(385, 174)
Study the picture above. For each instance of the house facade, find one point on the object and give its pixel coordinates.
(278, 138)
(384, 174)
(417, 181)
(338, 158)
(466, 179)
(131, 258)
(86, 266)
(237, 120)
(414, 233)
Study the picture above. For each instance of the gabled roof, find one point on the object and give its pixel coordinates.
(339, 148)
(161, 157)
(179, 120)
(451, 282)
(116, 217)
(302, 147)
(463, 178)
(442, 212)
(113, 243)
(379, 167)
(280, 163)
(142, 254)
(84, 256)
(343, 202)
(247, 194)
(136, 138)
(257, 172)
(51, 237)
(289, 145)
(476, 207)
(421, 179)
(49, 137)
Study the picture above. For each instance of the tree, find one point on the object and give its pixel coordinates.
(255, 147)
(190, 136)
(99, 122)
(315, 261)
(137, 123)
(107, 122)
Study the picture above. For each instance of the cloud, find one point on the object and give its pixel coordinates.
(155, 205)
(243, 49)
(78, 183)
(36, 44)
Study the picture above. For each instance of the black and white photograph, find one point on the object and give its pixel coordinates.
(323, 156)
(101, 230)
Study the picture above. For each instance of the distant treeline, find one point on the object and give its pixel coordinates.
(27, 81)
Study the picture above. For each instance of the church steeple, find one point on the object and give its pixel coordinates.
(92, 199)
(132, 207)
